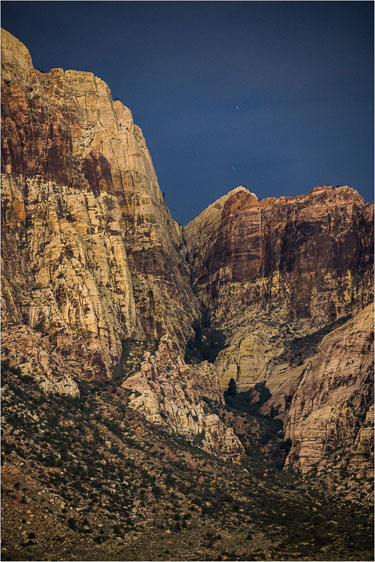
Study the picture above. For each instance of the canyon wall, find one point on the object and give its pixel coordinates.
(276, 269)
(90, 250)
(93, 259)
(333, 398)
(326, 404)
(289, 282)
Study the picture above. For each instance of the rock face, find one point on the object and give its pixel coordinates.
(92, 258)
(90, 251)
(172, 395)
(332, 405)
(274, 269)
(277, 274)
(32, 353)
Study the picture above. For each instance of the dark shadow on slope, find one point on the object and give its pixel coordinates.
(206, 343)
(299, 349)
(262, 436)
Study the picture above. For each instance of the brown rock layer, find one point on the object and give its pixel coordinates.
(274, 269)
(311, 242)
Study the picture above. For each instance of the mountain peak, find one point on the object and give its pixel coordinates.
(214, 210)
(14, 56)
(238, 189)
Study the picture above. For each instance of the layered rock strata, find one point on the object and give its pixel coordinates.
(173, 395)
(326, 404)
(273, 269)
(92, 257)
(91, 253)
(332, 404)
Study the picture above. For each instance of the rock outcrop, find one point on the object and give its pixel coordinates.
(272, 270)
(90, 251)
(175, 396)
(93, 259)
(331, 407)
(35, 357)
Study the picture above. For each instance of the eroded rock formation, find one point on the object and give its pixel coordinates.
(172, 395)
(90, 249)
(333, 400)
(92, 257)
(273, 269)
(34, 356)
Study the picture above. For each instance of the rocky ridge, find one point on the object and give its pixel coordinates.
(89, 247)
(92, 258)
(172, 395)
(286, 280)
(271, 270)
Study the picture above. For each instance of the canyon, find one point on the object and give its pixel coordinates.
(110, 307)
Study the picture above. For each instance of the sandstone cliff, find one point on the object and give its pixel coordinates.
(333, 398)
(326, 404)
(90, 251)
(92, 258)
(272, 270)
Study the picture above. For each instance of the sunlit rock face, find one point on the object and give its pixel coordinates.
(332, 405)
(92, 256)
(90, 251)
(172, 395)
(276, 276)
(273, 269)
(31, 353)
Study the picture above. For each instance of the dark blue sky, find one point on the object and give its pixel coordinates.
(277, 96)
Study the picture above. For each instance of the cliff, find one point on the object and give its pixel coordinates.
(272, 270)
(327, 405)
(90, 251)
(286, 280)
(93, 260)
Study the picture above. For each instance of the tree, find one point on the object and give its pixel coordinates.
(232, 387)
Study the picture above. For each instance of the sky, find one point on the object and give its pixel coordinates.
(276, 96)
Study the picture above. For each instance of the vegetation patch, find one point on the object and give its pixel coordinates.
(206, 343)
(107, 485)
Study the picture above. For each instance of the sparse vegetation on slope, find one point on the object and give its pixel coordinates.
(88, 479)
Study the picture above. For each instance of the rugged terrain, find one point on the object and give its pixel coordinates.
(275, 269)
(173, 393)
(88, 479)
(91, 251)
